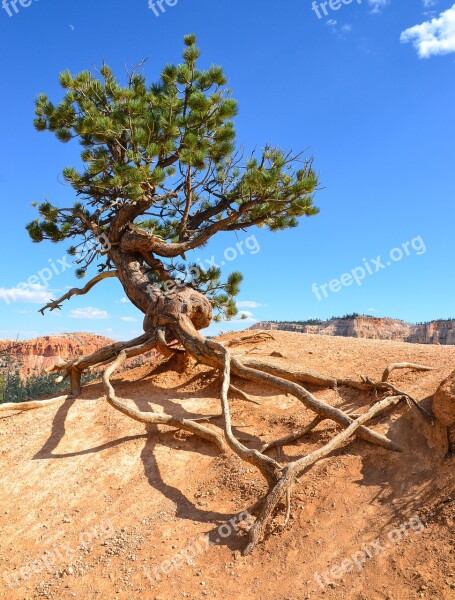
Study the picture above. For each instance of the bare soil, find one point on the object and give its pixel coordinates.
(104, 500)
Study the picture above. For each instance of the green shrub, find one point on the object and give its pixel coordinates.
(14, 389)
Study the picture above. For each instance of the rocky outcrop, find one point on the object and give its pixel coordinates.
(444, 412)
(436, 332)
(444, 402)
(37, 355)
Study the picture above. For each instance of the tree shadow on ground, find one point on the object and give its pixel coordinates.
(185, 508)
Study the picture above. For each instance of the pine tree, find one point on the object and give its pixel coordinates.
(162, 176)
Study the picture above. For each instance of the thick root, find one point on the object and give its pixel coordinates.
(154, 418)
(178, 325)
(256, 338)
(318, 406)
(32, 404)
(75, 368)
(289, 372)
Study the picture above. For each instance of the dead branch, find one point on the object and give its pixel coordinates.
(56, 304)
(255, 338)
(392, 367)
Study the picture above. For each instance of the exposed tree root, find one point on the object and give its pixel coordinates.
(177, 326)
(242, 394)
(255, 338)
(156, 418)
(293, 437)
(297, 468)
(33, 404)
(392, 367)
(105, 355)
(318, 406)
(290, 373)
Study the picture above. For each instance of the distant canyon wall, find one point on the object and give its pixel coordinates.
(32, 357)
(436, 332)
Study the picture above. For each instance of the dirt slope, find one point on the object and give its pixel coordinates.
(98, 498)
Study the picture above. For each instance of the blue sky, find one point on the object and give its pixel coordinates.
(368, 89)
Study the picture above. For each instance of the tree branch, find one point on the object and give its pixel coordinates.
(53, 304)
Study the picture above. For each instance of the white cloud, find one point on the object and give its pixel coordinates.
(123, 300)
(378, 5)
(88, 313)
(248, 304)
(434, 37)
(128, 319)
(35, 294)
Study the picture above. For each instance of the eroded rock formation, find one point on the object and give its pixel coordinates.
(436, 332)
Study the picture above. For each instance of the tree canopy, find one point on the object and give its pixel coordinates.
(161, 172)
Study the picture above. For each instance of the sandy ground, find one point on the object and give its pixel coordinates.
(94, 505)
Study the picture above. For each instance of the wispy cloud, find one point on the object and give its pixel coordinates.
(35, 294)
(434, 37)
(128, 319)
(248, 304)
(338, 29)
(378, 5)
(88, 313)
